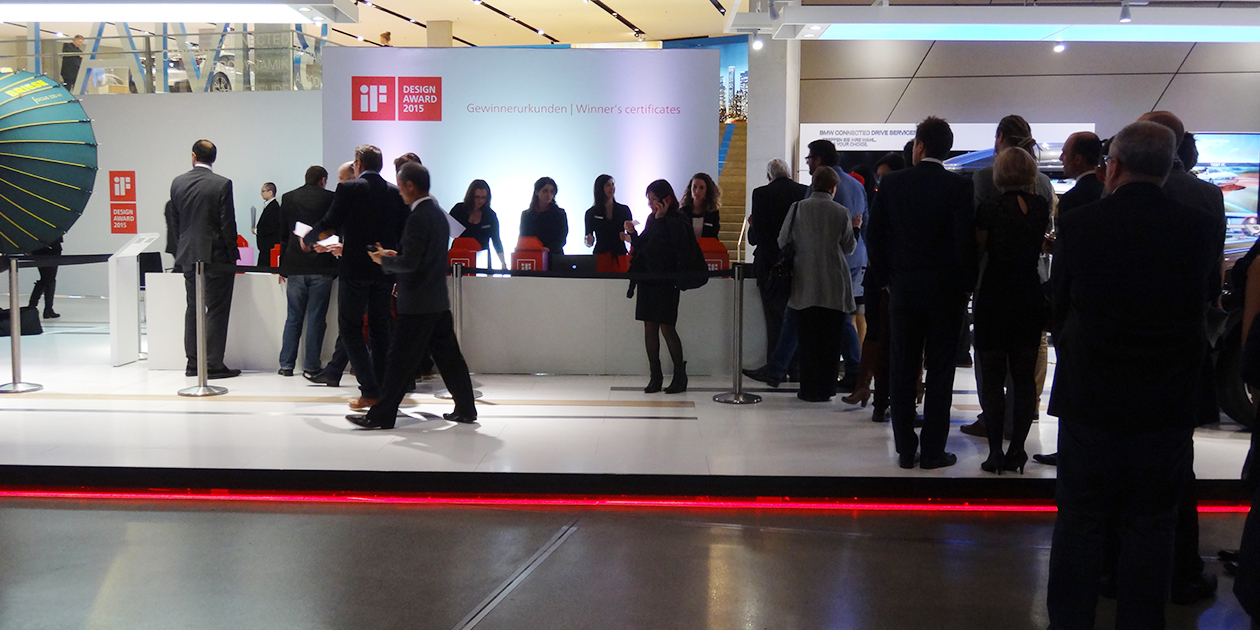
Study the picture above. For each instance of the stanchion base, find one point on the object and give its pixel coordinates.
(741, 398)
(19, 388)
(198, 392)
(446, 394)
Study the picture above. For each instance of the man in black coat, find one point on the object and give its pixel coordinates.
(424, 310)
(71, 61)
(922, 242)
(270, 229)
(365, 211)
(1133, 275)
(309, 275)
(201, 220)
(770, 204)
(1080, 156)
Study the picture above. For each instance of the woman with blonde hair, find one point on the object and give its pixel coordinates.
(1010, 307)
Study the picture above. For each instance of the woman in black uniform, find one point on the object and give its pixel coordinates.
(604, 222)
(479, 221)
(545, 220)
(660, 249)
(700, 204)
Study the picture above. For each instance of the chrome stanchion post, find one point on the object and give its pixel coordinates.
(737, 396)
(457, 314)
(15, 337)
(202, 389)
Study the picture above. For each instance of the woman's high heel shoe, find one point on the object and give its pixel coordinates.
(1015, 461)
(994, 464)
(860, 395)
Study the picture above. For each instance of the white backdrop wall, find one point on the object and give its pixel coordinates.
(261, 136)
(510, 150)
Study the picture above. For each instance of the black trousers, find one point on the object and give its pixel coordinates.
(995, 365)
(45, 286)
(819, 351)
(924, 321)
(414, 335)
(218, 303)
(1133, 481)
(1247, 579)
(355, 298)
(773, 303)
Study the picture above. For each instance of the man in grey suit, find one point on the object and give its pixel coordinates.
(201, 226)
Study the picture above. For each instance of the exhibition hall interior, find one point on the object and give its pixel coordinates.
(349, 314)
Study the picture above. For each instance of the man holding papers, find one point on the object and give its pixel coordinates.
(365, 211)
(309, 275)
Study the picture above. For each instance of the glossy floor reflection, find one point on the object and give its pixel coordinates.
(140, 566)
(92, 414)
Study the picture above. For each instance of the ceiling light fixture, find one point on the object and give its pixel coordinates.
(1059, 47)
(758, 44)
(1125, 15)
(534, 29)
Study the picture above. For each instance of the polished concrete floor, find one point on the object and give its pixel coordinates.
(173, 565)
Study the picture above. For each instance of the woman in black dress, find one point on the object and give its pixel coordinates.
(545, 220)
(479, 221)
(700, 205)
(660, 249)
(1010, 307)
(604, 222)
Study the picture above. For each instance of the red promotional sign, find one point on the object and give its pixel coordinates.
(373, 98)
(421, 98)
(122, 186)
(122, 218)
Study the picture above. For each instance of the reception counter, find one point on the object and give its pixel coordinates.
(510, 325)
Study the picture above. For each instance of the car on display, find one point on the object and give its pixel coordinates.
(1239, 182)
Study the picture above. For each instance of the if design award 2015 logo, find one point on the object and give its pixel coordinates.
(396, 98)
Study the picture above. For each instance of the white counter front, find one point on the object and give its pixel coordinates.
(510, 326)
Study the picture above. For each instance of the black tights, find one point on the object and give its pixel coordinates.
(1023, 368)
(652, 332)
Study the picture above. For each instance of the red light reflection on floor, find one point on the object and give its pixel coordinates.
(611, 502)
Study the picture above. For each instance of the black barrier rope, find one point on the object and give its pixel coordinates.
(26, 262)
(721, 273)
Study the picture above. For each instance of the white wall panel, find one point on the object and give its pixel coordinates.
(1224, 58)
(1215, 102)
(969, 59)
(849, 100)
(860, 59)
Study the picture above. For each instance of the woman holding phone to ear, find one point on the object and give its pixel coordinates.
(659, 249)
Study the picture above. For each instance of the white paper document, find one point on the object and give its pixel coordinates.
(330, 241)
(301, 229)
(457, 228)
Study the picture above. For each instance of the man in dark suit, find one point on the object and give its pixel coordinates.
(922, 242)
(365, 211)
(1080, 156)
(309, 275)
(1133, 275)
(770, 204)
(424, 310)
(270, 228)
(201, 218)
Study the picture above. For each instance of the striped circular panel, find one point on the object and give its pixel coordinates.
(47, 161)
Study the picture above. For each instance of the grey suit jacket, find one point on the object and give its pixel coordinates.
(823, 233)
(201, 217)
(419, 269)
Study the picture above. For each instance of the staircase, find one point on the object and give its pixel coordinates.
(732, 178)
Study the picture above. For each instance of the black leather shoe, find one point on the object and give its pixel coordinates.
(1049, 460)
(223, 373)
(285, 372)
(931, 463)
(461, 418)
(362, 420)
(190, 371)
(1201, 587)
(319, 378)
(50, 314)
(760, 375)
(908, 461)
(846, 384)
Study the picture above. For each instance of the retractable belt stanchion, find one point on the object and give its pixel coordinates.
(457, 313)
(737, 396)
(202, 389)
(15, 337)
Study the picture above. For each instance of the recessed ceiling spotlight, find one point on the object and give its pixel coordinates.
(757, 44)
(809, 34)
(318, 18)
(359, 37)
(815, 28)
(59, 34)
(304, 9)
(1060, 47)
(411, 20)
(540, 32)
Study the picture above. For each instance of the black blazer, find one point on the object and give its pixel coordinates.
(419, 269)
(608, 231)
(1087, 190)
(270, 231)
(712, 221)
(923, 229)
(770, 205)
(1132, 279)
(307, 204)
(550, 226)
(485, 232)
(364, 211)
(201, 217)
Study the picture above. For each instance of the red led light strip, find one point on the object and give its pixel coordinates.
(610, 502)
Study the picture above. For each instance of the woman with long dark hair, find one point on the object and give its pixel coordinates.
(545, 220)
(660, 249)
(700, 203)
(479, 221)
(604, 226)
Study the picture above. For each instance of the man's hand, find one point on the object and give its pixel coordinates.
(857, 221)
(305, 247)
(380, 253)
(280, 279)
(334, 249)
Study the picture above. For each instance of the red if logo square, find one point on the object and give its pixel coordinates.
(122, 218)
(373, 98)
(420, 98)
(122, 186)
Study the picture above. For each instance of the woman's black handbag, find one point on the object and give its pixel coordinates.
(779, 280)
(1249, 362)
